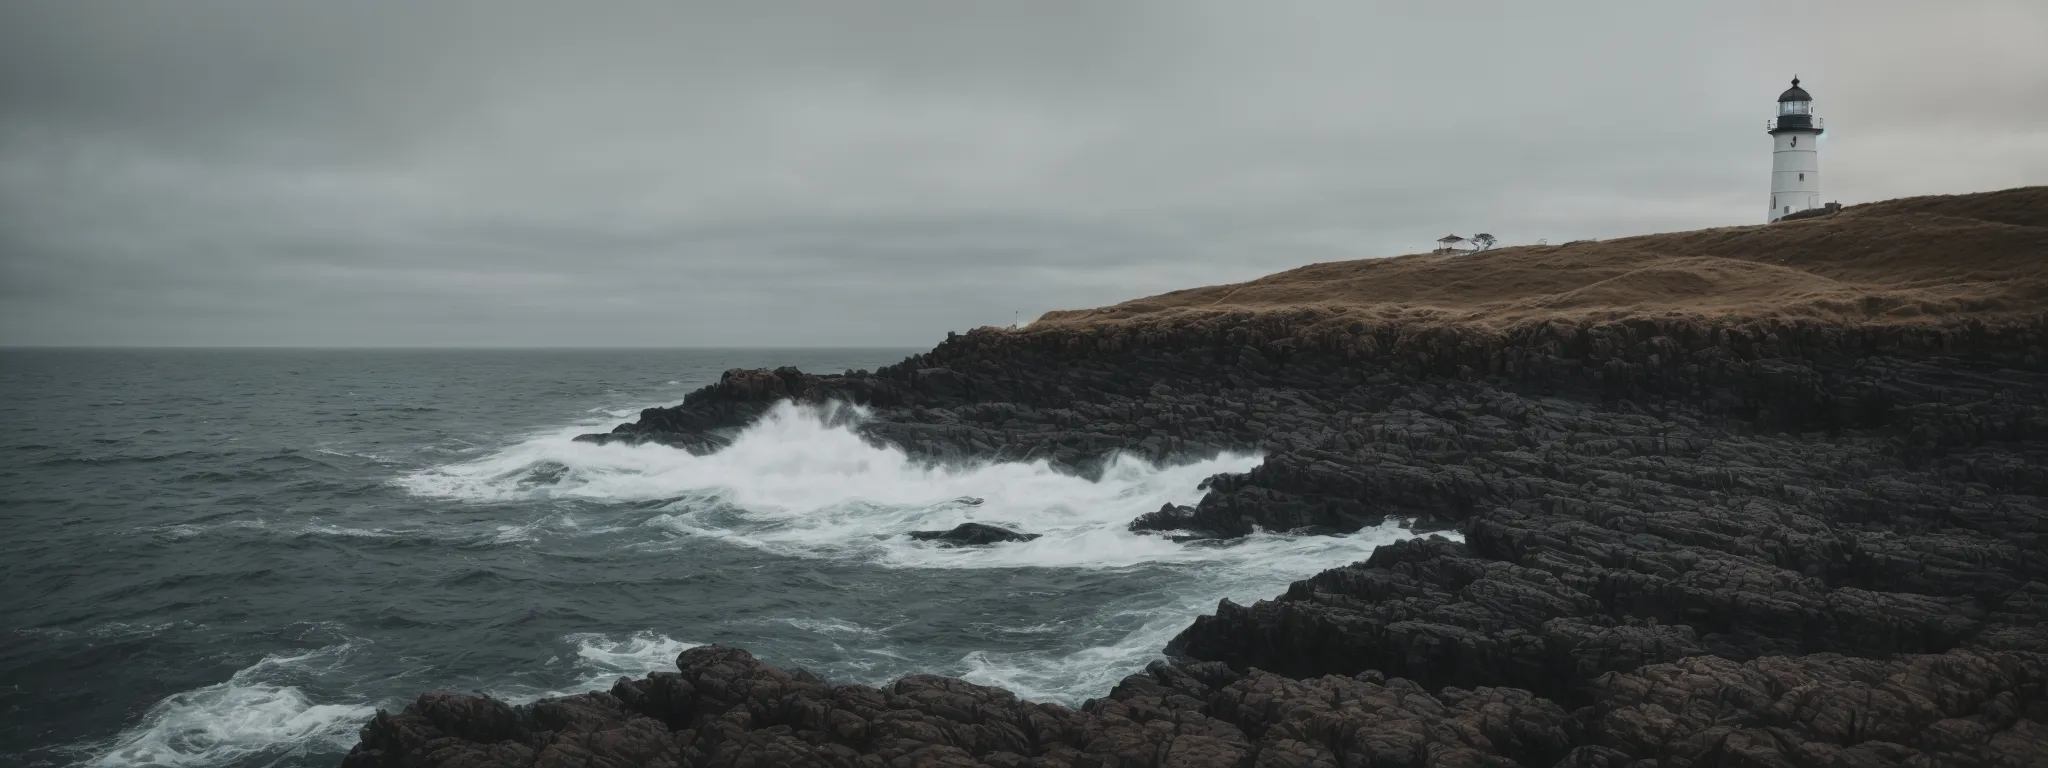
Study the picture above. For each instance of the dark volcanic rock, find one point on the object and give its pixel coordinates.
(1740, 570)
(1671, 541)
(972, 535)
(724, 708)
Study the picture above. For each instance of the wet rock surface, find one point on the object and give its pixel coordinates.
(724, 708)
(1679, 544)
(972, 535)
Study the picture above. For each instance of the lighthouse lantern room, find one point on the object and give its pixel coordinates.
(1795, 154)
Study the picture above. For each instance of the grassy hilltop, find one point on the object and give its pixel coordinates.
(1913, 260)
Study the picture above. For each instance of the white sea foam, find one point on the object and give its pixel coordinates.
(831, 627)
(255, 712)
(801, 482)
(309, 527)
(175, 532)
(601, 659)
(346, 532)
(634, 655)
(1258, 568)
(365, 455)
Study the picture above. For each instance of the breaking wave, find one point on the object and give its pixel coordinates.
(1257, 568)
(605, 657)
(598, 660)
(258, 711)
(802, 482)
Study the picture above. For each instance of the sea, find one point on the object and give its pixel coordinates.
(235, 557)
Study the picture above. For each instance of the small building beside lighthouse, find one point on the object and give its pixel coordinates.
(1795, 154)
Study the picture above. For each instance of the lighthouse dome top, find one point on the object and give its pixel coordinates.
(1794, 93)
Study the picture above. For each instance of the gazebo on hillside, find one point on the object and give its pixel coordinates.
(1449, 244)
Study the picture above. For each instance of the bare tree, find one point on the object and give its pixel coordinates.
(1482, 241)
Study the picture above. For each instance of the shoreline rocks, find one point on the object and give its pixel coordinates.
(1686, 541)
(972, 535)
(722, 707)
(1796, 563)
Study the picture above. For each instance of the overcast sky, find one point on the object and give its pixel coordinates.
(868, 173)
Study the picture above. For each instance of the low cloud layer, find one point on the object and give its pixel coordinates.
(738, 174)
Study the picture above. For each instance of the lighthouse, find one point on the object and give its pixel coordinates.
(1795, 154)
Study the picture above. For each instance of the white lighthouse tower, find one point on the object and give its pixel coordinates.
(1795, 154)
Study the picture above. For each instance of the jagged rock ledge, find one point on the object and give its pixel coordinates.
(973, 535)
(1698, 539)
(724, 708)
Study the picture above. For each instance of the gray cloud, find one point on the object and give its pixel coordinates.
(828, 173)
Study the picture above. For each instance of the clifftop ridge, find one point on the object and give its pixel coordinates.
(1911, 261)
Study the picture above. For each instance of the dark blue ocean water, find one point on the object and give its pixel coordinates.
(233, 557)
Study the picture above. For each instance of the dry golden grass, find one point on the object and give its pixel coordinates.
(1908, 261)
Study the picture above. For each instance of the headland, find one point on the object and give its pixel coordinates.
(1764, 495)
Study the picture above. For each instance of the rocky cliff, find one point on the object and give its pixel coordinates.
(1753, 496)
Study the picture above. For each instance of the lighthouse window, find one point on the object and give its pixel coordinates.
(1802, 177)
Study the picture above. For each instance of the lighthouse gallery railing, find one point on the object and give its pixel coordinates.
(1772, 124)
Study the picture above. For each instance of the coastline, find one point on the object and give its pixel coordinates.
(1795, 532)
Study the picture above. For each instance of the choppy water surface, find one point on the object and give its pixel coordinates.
(233, 557)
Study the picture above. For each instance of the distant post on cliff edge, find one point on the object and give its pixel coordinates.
(1795, 154)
